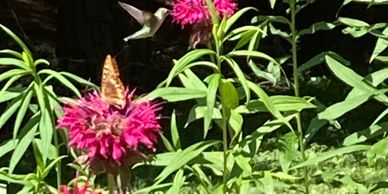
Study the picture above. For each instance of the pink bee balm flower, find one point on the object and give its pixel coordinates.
(77, 190)
(106, 133)
(195, 12)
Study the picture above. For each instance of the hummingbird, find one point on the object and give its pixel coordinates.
(151, 22)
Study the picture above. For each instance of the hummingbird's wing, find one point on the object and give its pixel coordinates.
(141, 16)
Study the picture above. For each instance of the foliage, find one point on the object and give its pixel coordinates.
(252, 138)
(32, 105)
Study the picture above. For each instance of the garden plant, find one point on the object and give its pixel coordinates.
(230, 117)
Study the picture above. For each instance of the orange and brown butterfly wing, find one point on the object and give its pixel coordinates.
(112, 88)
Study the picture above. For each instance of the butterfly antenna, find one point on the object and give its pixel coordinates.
(121, 50)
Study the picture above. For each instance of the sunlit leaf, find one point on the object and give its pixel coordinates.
(353, 22)
(330, 154)
(316, 27)
(214, 81)
(236, 16)
(380, 46)
(7, 146)
(61, 79)
(363, 135)
(240, 75)
(21, 148)
(174, 132)
(182, 158)
(184, 61)
(198, 112)
(177, 184)
(229, 94)
(22, 110)
(175, 94)
(17, 39)
(10, 110)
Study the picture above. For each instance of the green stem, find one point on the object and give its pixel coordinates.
(296, 90)
(225, 146)
(58, 165)
(111, 183)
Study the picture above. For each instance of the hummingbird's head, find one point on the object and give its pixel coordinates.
(162, 12)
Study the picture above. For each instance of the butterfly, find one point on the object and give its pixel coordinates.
(112, 88)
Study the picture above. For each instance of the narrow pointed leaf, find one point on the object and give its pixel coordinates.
(61, 79)
(21, 148)
(175, 94)
(22, 111)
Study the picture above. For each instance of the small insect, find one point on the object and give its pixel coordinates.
(112, 88)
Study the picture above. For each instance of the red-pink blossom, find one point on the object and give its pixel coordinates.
(106, 133)
(195, 12)
(78, 190)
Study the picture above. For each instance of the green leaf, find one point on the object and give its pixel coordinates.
(7, 146)
(243, 163)
(272, 3)
(17, 39)
(383, 59)
(198, 112)
(46, 130)
(10, 82)
(202, 177)
(214, 81)
(316, 60)
(265, 98)
(240, 75)
(276, 19)
(346, 74)
(228, 93)
(177, 184)
(14, 62)
(281, 103)
(61, 79)
(174, 132)
(247, 53)
(251, 143)
(363, 135)
(175, 94)
(235, 122)
(288, 149)
(353, 22)
(51, 165)
(183, 62)
(330, 154)
(379, 149)
(315, 125)
(338, 109)
(191, 81)
(41, 61)
(380, 46)
(167, 144)
(318, 26)
(78, 79)
(8, 95)
(182, 158)
(22, 110)
(11, 73)
(213, 12)
(52, 150)
(10, 110)
(370, 2)
(21, 148)
(236, 16)
(12, 53)
(260, 73)
(377, 77)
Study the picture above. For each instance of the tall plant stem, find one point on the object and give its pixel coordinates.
(111, 182)
(296, 90)
(58, 165)
(225, 145)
